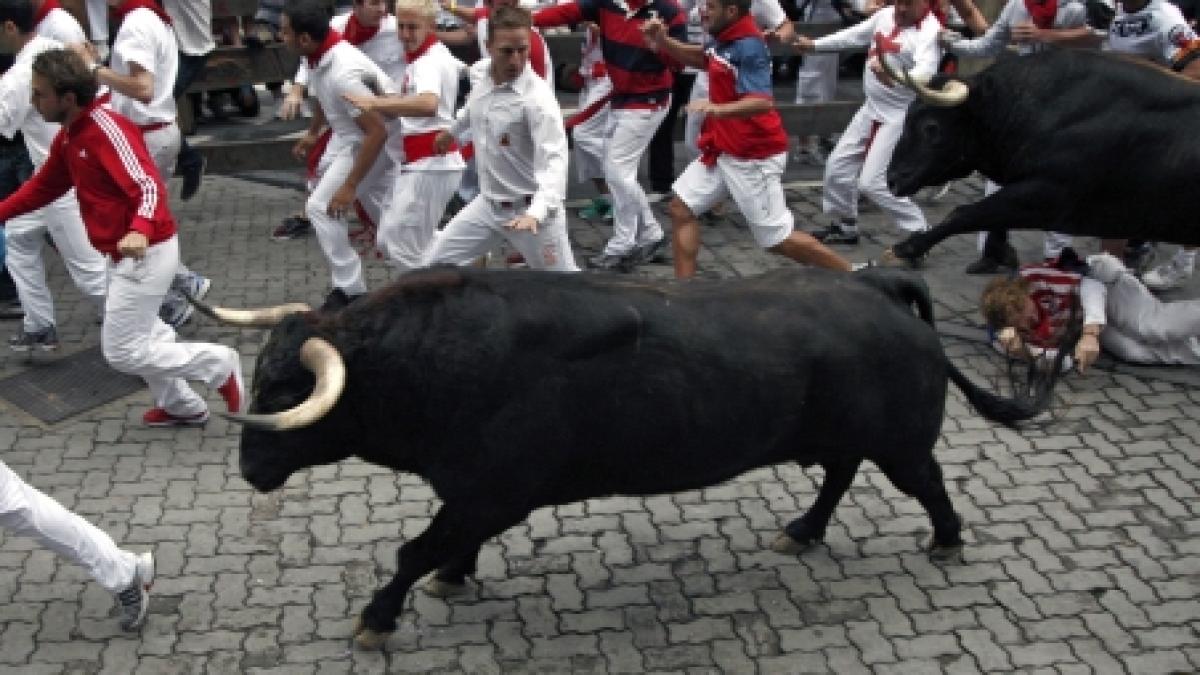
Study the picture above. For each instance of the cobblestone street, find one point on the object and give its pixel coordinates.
(1082, 550)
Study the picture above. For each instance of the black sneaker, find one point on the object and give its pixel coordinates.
(292, 227)
(45, 339)
(336, 300)
(192, 174)
(611, 263)
(649, 252)
(135, 600)
(10, 308)
(836, 233)
(989, 264)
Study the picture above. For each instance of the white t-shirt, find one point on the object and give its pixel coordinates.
(435, 71)
(384, 48)
(145, 40)
(914, 48)
(16, 110)
(58, 24)
(192, 21)
(346, 70)
(1157, 32)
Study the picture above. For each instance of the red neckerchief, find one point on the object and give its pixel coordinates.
(430, 40)
(46, 8)
(356, 33)
(1042, 13)
(743, 27)
(129, 5)
(331, 38)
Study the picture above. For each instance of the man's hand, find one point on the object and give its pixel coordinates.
(133, 245)
(290, 108)
(704, 107)
(947, 37)
(302, 146)
(339, 206)
(523, 223)
(1026, 33)
(86, 51)
(653, 32)
(1087, 350)
(364, 102)
(442, 142)
(804, 44)
(877, 68)
(1010, 342)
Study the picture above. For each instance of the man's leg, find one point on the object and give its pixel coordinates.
(1137, 312)
(873, 180)
(345, 265)
(632, 130)
(839, 198)
(88, 269)
(135, 341)
(470, 234)
(25, 238)
(410, 220)
(549, 249)
(661, 167)
(190, 163)
(696, 190)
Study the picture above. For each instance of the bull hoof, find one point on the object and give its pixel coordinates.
(946, 553)
(365, 638)
(785, 544)
(444, 589)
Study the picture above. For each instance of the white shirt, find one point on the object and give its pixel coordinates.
(145, 40)
(520, 144)
(192, 21)
(346, 70)
(916, 49)
(58, 24)
(1070, 14)
(384, 48)
(16, 110)
(436, 72)
(1157, 32)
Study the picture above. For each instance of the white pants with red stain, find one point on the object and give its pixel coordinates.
(479, 226)
(25, 240)
(859, 164)
(591, 136)
(410, 221)
(28, 512)
(136, 341)
(333, 231)
(629, 133)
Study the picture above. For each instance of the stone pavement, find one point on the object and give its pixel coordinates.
(1082, 552)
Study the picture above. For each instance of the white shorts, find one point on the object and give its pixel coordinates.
(753, 183)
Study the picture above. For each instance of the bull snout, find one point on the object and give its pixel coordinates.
(900, 183)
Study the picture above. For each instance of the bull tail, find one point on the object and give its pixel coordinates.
(1031, 401)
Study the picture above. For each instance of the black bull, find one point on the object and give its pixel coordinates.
(512, 391)
(1083, 143)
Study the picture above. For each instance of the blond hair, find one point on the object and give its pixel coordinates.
(427, 8)
(1003, 301)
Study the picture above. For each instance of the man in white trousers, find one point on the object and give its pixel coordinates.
(29, 512)
(141, 78)
(123, 202)
(907, 33)
(25, 235)
(589, 126)
(426, 179)
(1031, 26)
(353, 166)
(521, 155)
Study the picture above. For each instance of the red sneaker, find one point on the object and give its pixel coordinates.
(515, 259)
(231, 391)
(157, 417)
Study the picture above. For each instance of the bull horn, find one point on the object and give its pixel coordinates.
(323, 359)
(265, 317)
(953, 93)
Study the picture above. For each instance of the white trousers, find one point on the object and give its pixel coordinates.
(695, 121)
(629, 134)
(137, 342)
(1143, 329)
(590, 136)
(410, 221)
(333, 233)
(479, 226)
(28, 512)
(163, 145)
(859, 164)
(24, 237)
(97, 15)
(816, 80)
(1052, 243)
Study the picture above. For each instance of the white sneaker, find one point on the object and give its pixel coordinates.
(135, 600)
(1167, 276)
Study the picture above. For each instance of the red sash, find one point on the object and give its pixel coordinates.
(1042, 13)
(420, 146)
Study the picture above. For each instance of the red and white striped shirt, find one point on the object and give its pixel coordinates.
(102, 155)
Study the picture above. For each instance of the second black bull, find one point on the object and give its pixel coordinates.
(1081, 142)
(512, 391)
